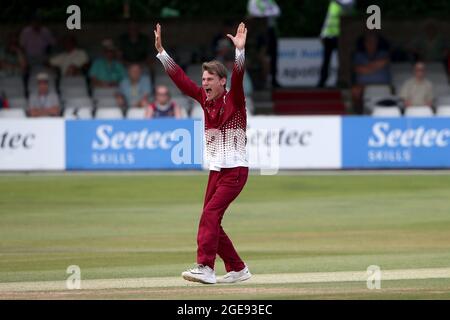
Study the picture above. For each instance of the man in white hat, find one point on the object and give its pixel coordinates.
(43, 103)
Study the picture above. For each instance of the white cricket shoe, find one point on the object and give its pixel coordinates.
(235, 276)
(200, 273)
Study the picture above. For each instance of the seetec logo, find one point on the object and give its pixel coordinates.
(384, 136)
(396, 145)
(18, 140)
(106, 138)
(112, 146)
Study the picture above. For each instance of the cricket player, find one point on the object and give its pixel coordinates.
(225, 133)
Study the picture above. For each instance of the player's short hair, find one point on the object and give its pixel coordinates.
(215, 67)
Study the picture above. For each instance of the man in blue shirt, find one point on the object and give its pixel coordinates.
(370, 66)
(107, 71)
(134, 90)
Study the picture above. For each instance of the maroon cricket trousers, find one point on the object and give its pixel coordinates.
(223, 187)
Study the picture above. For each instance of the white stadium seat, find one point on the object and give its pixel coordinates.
(136, 113)
(386, 111)
(419, 111)
(443, 111)
(12, 113)
(109, 113)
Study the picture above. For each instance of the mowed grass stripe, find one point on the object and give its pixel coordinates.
(287, 278)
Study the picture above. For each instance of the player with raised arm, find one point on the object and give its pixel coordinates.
(225, 134)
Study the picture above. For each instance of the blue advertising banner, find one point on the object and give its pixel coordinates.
(133, 144)
(369, 142)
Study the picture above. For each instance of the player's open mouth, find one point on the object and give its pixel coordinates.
(208, 90)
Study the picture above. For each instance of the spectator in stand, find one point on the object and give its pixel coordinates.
(417, 91)
(134, 90)
(371, 66)
(73, 61)
(37, 41)
(163, 106)
(134, 45)
(12, 58)
(43, 103)
(107, 71)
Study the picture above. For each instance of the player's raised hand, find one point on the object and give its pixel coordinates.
(240, 37)
(158, 41)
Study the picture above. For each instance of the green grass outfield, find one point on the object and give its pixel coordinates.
(144, 226)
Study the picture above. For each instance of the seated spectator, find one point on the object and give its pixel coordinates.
(417, 91)
(73, 60)
(134, 45)
(36, 40)
(107, 71)
(135, 89)
(163, 106)
(371, 66)
(43, 103)
(12, 58)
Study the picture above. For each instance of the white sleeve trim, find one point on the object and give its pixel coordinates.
(240, 58)
(239, 51)
(166, 60)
